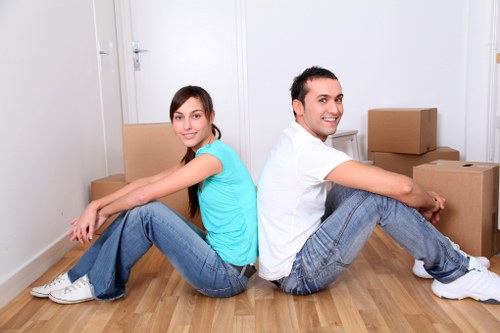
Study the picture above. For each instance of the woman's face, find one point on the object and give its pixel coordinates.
(191, 124)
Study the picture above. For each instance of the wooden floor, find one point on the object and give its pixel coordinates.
(377, 294)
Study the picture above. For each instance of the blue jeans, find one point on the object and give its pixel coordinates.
(350, 218)
(108, 262)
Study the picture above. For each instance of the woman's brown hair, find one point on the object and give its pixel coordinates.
(178, 100)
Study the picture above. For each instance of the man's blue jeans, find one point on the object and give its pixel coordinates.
(350, 218)
(108, 262)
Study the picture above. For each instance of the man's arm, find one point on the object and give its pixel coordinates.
(400, 187)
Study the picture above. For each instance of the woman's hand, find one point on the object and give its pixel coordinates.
(83, 227)
(433, 214)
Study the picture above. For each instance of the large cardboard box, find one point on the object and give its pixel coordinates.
(402, 130)
(471, 192)
(177, 201)
(404, 163)
(149, 149)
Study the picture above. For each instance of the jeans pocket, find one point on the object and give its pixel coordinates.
(222, 280)
(316, 259)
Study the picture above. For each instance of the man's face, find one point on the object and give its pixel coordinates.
(320, 114)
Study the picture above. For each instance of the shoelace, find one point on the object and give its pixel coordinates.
(486, 278)
(57, 280)
(488, 273)
(80, 283)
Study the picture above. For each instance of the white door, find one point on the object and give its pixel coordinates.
(110, 84)
(182, 43)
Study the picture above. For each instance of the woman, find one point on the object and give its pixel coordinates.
(217, 263)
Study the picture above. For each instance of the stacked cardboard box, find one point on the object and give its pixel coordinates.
(401, 138)
(471, 191)
(147, 149)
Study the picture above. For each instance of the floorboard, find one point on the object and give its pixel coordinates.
(378, 293)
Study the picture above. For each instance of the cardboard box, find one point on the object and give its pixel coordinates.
(404, 163)
(177, 201)
(402, 130)
(101, 187)
(470, 217)
(149, 149)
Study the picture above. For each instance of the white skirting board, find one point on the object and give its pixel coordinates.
(17, 282)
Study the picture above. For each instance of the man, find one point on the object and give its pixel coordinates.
(318, 207)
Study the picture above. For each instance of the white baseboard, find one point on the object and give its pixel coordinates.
(18, 281)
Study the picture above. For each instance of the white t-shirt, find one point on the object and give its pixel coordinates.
(291, 197)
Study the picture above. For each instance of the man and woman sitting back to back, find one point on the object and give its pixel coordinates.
(314, 211)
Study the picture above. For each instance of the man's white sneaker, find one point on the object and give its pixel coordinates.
(478, 283)
(419, 270)
(60, 282)
(78, 292)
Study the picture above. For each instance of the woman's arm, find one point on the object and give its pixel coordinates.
(192, 173)
(143, 191)
(400, 187)
(102, 202)
(90, 221)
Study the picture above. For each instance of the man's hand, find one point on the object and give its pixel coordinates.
(433, 214)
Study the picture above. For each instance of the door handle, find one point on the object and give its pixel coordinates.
(136, 48)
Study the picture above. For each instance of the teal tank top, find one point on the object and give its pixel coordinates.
(228, 206)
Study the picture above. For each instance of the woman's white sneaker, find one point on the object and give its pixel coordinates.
(60, 282)
(78, 292)
(478, 283)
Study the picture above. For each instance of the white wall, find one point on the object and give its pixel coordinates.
(389, 53)
(51, 137)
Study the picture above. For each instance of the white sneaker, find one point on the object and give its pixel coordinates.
(419, 270)
(60, 282)
(78, 292)
(478, 283)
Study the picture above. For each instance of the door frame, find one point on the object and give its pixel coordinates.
(125, 61)
(495, 110)
(493, 140)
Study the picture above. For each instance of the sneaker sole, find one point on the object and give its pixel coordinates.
(455, 297)
(62, 301)
(422, 275)
(39, 295)
(487, 301)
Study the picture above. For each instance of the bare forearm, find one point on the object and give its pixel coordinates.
(108, 199)
(99, 204)
(414, 196)
(380, 181)
(129, 200)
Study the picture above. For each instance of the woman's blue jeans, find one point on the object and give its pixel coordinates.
(350, 218)
(108, 262)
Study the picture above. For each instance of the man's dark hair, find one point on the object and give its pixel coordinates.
(299, 88)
